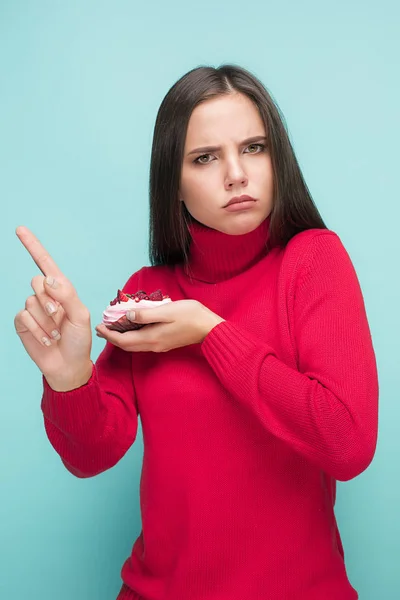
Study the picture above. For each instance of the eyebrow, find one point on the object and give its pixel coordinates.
(206, 149)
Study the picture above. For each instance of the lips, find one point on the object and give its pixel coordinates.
(240, 199)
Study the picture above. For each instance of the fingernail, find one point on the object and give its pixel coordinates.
(51, 282)
(130, 315)
(50, 308)
(46, 341)
(56, 334)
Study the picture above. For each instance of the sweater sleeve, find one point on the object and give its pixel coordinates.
(327, 408)
(93, 426)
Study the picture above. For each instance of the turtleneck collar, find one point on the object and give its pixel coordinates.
(216, 256)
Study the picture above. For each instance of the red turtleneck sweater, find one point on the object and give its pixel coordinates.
(244, 434)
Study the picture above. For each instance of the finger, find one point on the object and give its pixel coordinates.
(49, 305)
(125, 341)
(145, 316)
(140, 340)
(46, 323)
(41, 257)
(114, 337)
(30, 332)
(65, 293)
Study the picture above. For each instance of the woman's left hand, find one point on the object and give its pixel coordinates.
(169, 326)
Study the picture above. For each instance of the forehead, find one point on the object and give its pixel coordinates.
(232, 117)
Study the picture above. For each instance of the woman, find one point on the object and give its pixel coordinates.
(256, 388)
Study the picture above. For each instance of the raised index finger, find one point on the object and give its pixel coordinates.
(39, 254)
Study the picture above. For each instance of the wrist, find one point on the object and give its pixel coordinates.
(211, 320)
(71, 382)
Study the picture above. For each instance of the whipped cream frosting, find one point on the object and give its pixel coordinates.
(114, 312)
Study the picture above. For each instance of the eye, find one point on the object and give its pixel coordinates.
(255, 148)
(203, 159)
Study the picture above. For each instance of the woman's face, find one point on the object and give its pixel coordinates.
(225, 157)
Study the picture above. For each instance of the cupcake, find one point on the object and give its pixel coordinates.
(114, 316)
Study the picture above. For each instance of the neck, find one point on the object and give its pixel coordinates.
(215, 256)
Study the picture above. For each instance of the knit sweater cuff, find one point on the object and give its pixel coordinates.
(227, 348)
(71, 411)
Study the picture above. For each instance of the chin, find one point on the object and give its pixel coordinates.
(241, 226)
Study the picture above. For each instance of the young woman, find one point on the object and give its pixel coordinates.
(256, 388)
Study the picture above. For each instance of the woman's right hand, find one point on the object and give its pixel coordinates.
(55, 325)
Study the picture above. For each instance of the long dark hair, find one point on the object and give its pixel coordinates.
(293, 207)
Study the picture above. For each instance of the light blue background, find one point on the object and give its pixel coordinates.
(80, 84)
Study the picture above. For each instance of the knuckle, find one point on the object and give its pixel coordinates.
(155, 344)
(37, 280)
(30, 302)
(44, 258)
(150, 337)
(18, 318)
(20, 321)
(69, 292)
(85, 314)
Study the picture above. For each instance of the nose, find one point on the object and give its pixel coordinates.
(235, 175)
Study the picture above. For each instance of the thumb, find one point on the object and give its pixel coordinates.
(65, 293)
(145, 316)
